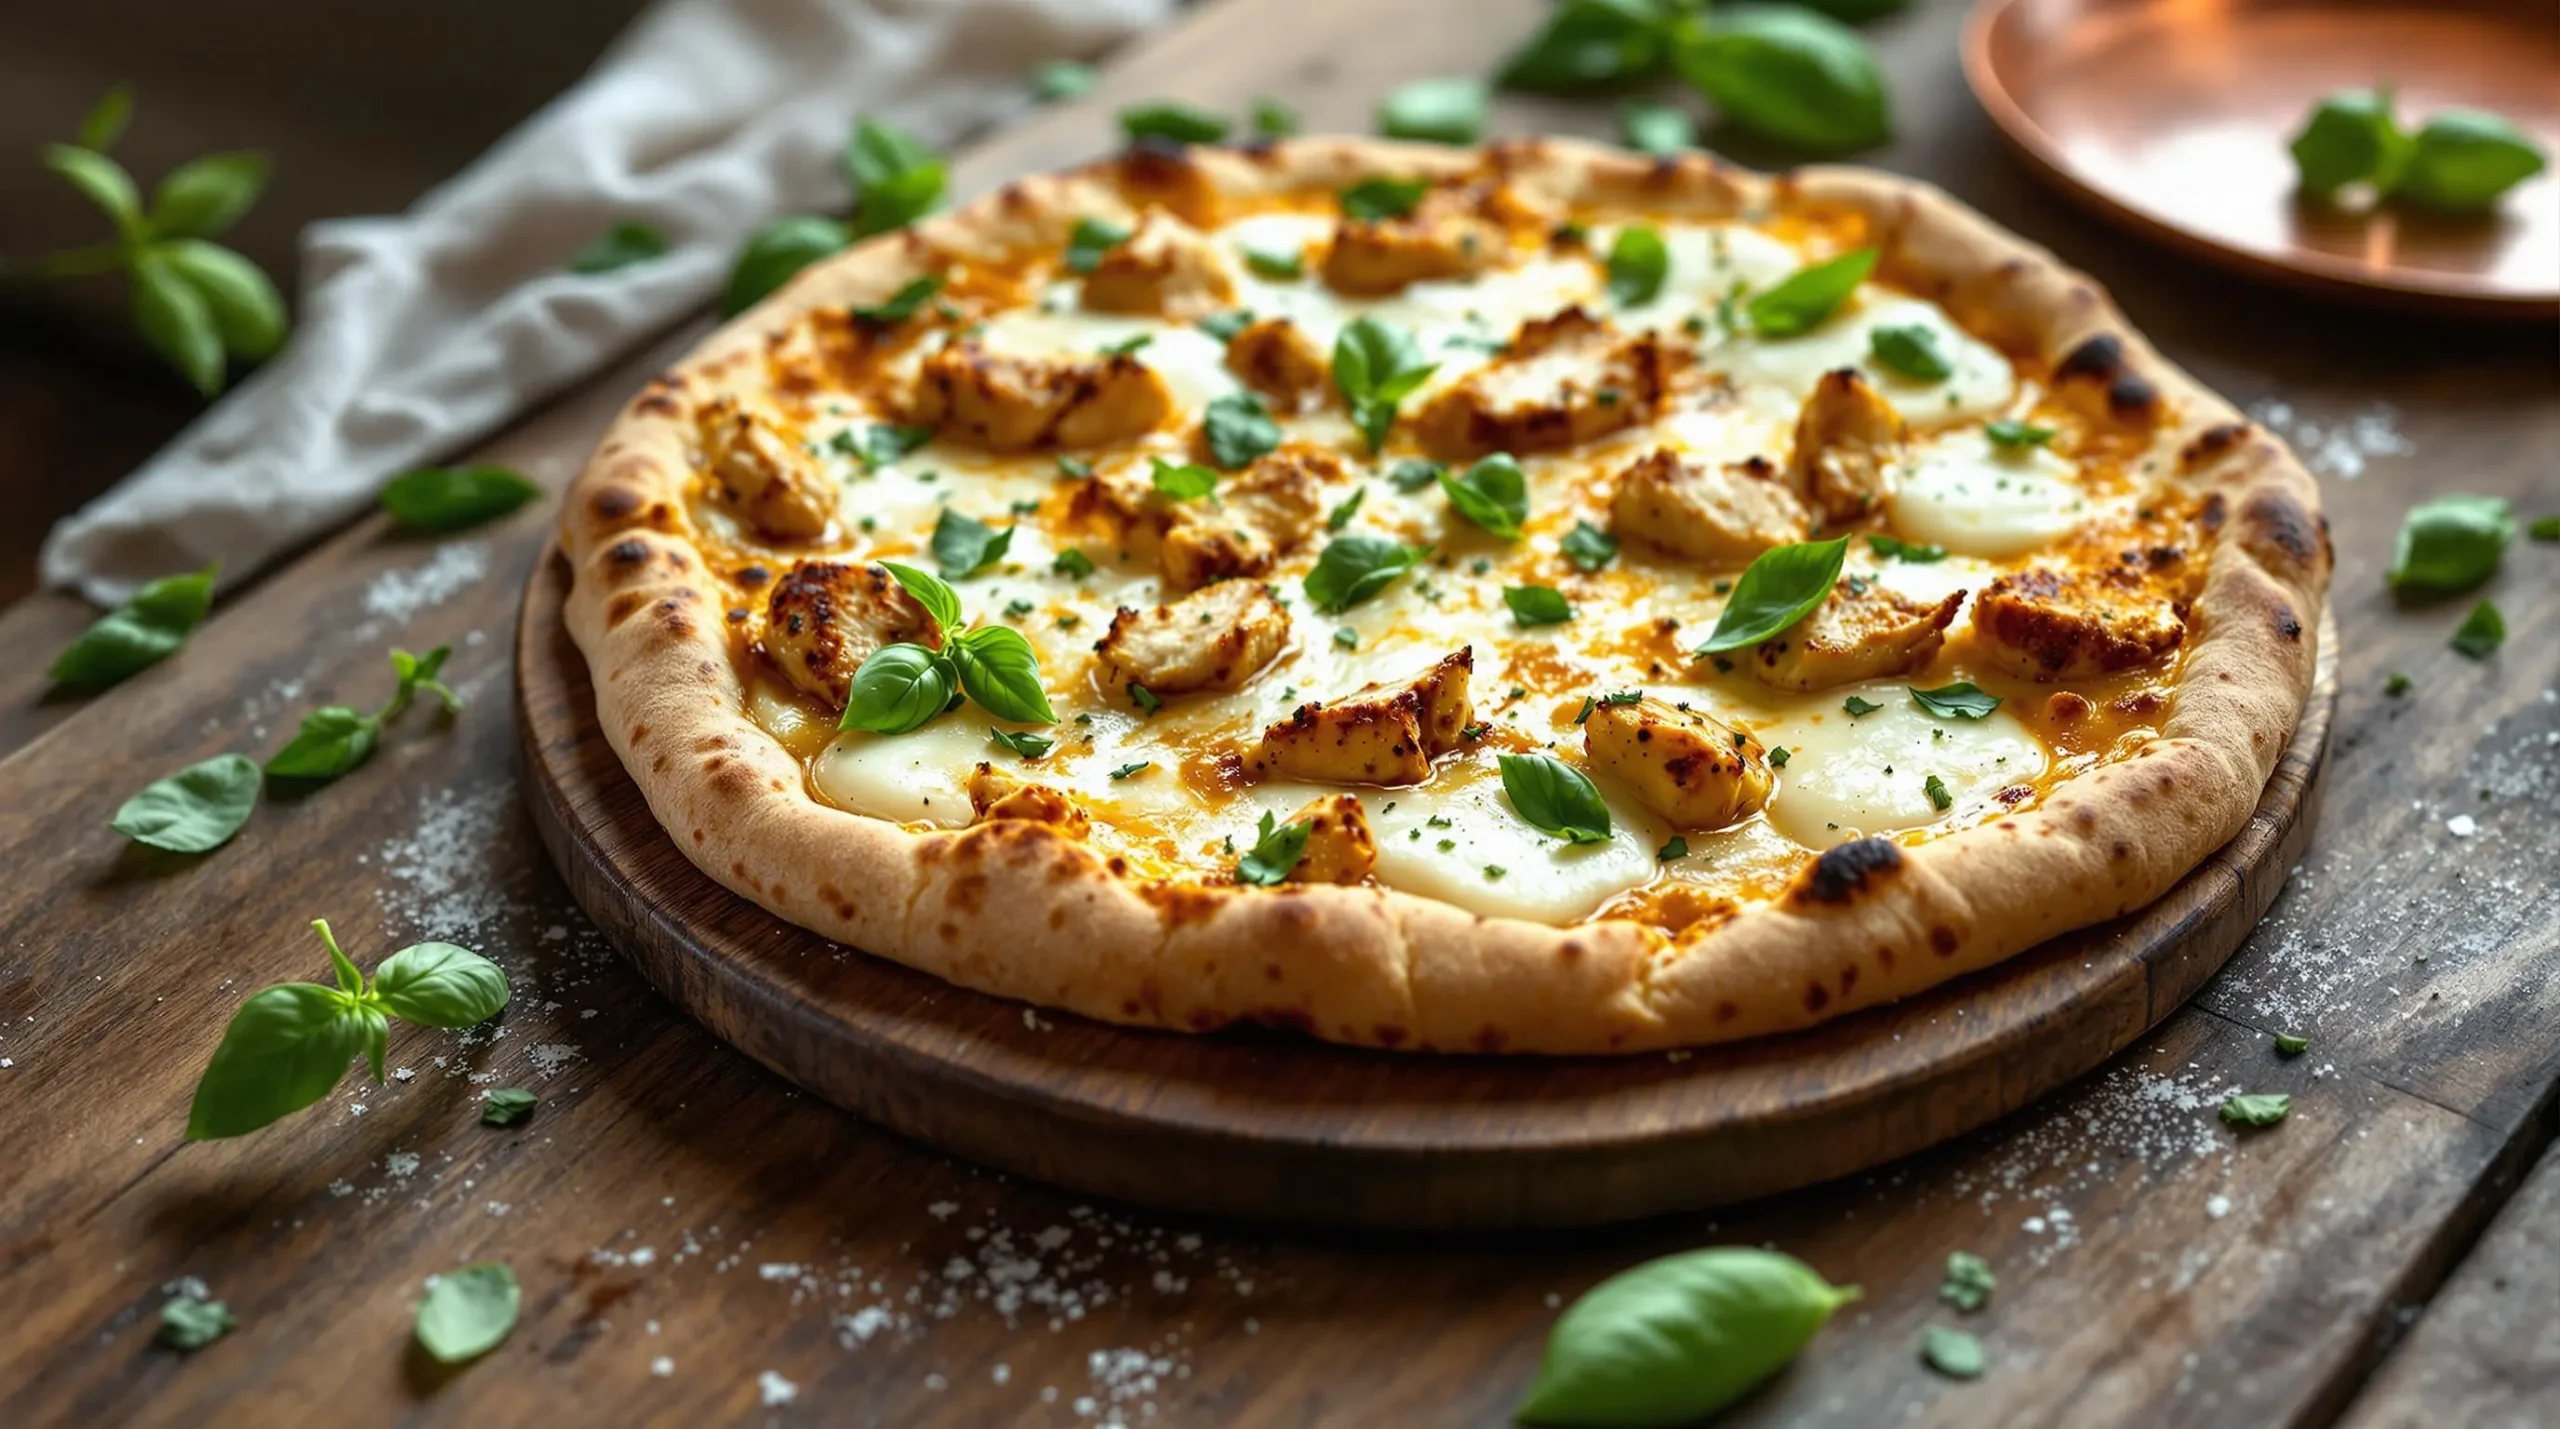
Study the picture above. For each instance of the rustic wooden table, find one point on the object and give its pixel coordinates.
(697, 1240)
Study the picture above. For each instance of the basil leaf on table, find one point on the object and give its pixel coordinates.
(896, 179)
(964, 545)
(1951, 1352)
(205, 196)
(1793, 75)
(1780, 587)
(1589, 547)
(285, 1048)
(1969, 1281)
(1355, 567)
(899, 687)
(1806, 296)
(2349, 138)
(1055, 80)
(1238, 429)
(1176, 123)
(450, 498)
(1000, 671)
(2464, 159)
(1651, 127)
(2481, 632)
(2256, 1108)
(1375, 367)
(1961, 700)
(1586, 44)
(1277, 848)
(334, 739)
(188, 1324)
(2451, 543)
(625, 243)
(1911, 350)
(1089, 240)
(939, 601)
(248, 313)
(505, 1106)
(902, 304)
(1494, 494)
(440, 985)
(1676, 1339)
(775, 252)
(195, 810)
(1182, 480)
(1638, 262)
(177, 321)
(467, 1312)
(1376, 199)
(1442, 111)
(152, 623)
(1555, 797)
(1534, 605)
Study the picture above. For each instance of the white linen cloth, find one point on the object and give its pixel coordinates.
(422, 333)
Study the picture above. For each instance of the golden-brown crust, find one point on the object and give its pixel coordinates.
(1863, 923)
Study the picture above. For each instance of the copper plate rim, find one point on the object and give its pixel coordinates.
(2310, 271)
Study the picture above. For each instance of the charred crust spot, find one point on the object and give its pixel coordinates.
(1492, 1039)
(1571, 950)
(2213, 444)
(628, 553)
(614, 503)
(624, 606)
(2132, 397)
(2099, 358)
(1844, 871)
(1848, 979)
(1388, 1034)
(1942, 941)
(1285, 1019)
(657, 402)
(2275, 519)
(1727, 1011)
(2287, 626)
(2212, 514)
(1816, 997)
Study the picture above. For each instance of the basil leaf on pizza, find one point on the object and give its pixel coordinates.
(1371, 200)
(1555, 797)
(1535, 605)
(898, 688)
(1277, 848)
(1961, 700)
(1001, 672)
(1589, 547)
(1911, 350)
(2008, 436)
(1238, 429)
(1029, 746)
(1638, 262)
(939, 600)
(1089, 240)
(1172, 123)
(1356, 567)
(1182, 481)
(1801, 300)
(1493, 493)
(1780, 587)
(964, 545)
(902, 304)
(1375, 367)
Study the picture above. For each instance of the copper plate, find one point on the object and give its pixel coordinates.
(2174, 116)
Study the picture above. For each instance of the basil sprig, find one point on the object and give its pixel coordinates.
(1588, 547)
(896, 179)
(1911, 349)
(2451, 543)
(625, 243)
(964, 545)
(1555, 797)
(450, 498)
(1238, 429)
(2459, 160)
(1376, 367)
(468, 1311)
(1806, 296)
(1676, 1339)
(773, 253)
(1173, 123)
(1374, 199)
(1494, 494)
(1535, 605)
(1277, 848)
(291, 1043)
(334, 739)
(195, 810)
(1638, 262)
(1590, 44)
(1442, 111)
(901, 686)
(1777, 589)
(1961, 700)
(1357, 566)
(151, 624)
(1793, 75)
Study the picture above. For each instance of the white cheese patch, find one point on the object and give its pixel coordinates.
(920, 777)
(1707, 262)
(1976, 499)
(1192, 363)
(1850, 776)
(1782, 371)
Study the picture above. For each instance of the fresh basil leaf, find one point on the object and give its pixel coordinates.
(1175, 123)
(248, 313)
(1355, 567)
(1951, 1352)
(1655, 128)
(285, 1048)
(939, 601)
(1969, 1281)
(505, 1106)
(773, 253)
(1534, 605)
(1780, 587)
(418, 672)
(1277, 848)
(1855, 12)
(999, 670)
(1441, 111)
(1940, 798)
(195, 810)
(2256, 1108)
(440, 985)
(1375, 200)
(1144, 698)
(898, 688)
(1126, 346)
(2288, 1045)
(1586, 44)
(1376, 367)
(188, 1324)
(1347, 636)
(1961, 700)
(1857, 707)
(1238, 430)
(1054, 80)
(2546, 528)
(1911, 349)
(1412, 474)
(884, 445)
(1089, 240)
(103, 182)
(1638, 262)
(104, 124)
(1808, 295)
(350, 979)
(2451, 543)
(1675, 848)
(1589, 547)
(1893, 548)
(1343, 510)
(627, 242)
(1225, 326)
(963, 545)
(449, 498)
(902, 304)
(1555, 797)
(1793, 75)
(1273, 120)
(177, 320)
(1280, 266)
(150, 626)
(1127, 771)
(2463, 160)
(1029, 746)
(334, 739)
(2015, 436)
(1183, 481)
(2349, 138)
(202, 197)
(896, 179)
(1072, 563)
(1676, 1339)
(1494, 494)
(2481, 632)
(468, 1311)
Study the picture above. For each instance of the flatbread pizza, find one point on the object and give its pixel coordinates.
(1529, 599)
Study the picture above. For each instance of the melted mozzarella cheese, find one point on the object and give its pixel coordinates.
(1192, 363)
(1708, 261)
(1847, 776)
(1970, 496)
(1782, 371)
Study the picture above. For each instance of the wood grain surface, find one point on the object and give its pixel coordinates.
(673, 1204)
(1278, 1128)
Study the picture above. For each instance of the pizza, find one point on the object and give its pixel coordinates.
(1531, 599)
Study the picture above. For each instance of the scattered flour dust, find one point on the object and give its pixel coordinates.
(774, 1390)
(394, 597)
(2342, 448)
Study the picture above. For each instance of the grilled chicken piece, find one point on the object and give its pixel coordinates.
(1167, 269)
(1276, 359)
(1846, 438)
(1561, 381)
(1258, 515)
(1340, 848)
(1716, 515)
(824, 618)
(995, 795)
(2047, 625)
(1215, 638)
(1456, 230)
(1380, 735)
(1860, 632)
(1689, 767)
(1009, 404)
(762, 467)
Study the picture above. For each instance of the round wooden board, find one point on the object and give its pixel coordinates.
(1271, 1127)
